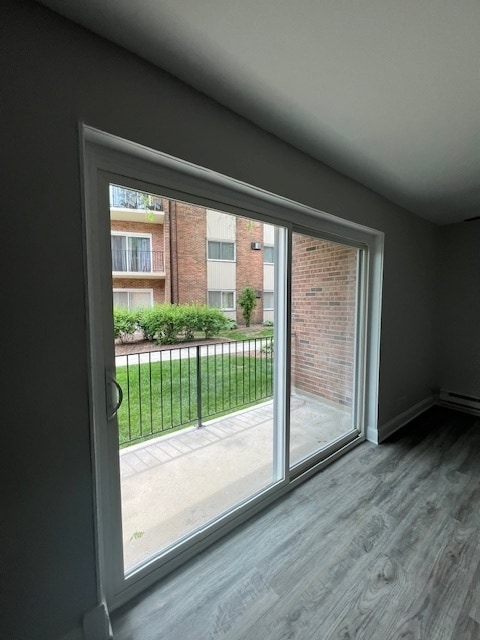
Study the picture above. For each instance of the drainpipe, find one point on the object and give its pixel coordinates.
(173, 240)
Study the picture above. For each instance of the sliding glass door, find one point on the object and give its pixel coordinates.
(196, 431)
(324, 345)
(232, 353)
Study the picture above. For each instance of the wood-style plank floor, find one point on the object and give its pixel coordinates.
(382, 545)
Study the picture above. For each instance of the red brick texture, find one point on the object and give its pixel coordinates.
(249, 264)
(188, 228)
(157, 233)
(323, 318)
(323, 291)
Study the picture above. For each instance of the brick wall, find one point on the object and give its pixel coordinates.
(188, 227)
(182, 239)
(155, 230)
(249, 264)
(323, 318)
(158, 240)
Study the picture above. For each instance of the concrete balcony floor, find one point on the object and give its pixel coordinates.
(178, 482)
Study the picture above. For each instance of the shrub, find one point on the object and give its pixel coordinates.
(172, 323)
(248, 301)
(267, 323)
(189, 321)
(148, 322)
(268, 348)
(162, 323)
(125, 323)
(211, 320)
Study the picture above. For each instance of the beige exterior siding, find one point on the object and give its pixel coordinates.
(221, 275)
(220, 226)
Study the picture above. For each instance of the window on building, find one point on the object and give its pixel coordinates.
(268, 297)
(221, 250)
(224, 300)
(132, 298)
(131, 252)
(268, 254)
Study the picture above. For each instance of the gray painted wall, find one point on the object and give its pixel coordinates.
(55, 75)
(459, 308)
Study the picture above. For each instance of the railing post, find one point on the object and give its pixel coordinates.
(199, 388)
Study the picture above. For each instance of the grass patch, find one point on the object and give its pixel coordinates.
(162, 396)
(247, 334)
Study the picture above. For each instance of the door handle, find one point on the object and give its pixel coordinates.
(113, 407)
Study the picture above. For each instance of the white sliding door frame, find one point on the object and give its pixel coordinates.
(108, 159)
(313, 463)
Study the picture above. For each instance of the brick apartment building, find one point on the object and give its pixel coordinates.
(169, 251)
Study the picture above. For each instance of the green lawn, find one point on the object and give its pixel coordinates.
(242, 333)
(162, 396)
(247, 333)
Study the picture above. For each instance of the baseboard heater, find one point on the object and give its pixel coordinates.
(459, 401)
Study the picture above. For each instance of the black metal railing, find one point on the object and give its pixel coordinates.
(137, 261)
(123, 198)
(183, 386)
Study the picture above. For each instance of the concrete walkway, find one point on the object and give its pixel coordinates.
(176, 483)
(215, 349)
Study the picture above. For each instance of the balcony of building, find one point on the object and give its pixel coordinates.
(138, 264)
(127, 205)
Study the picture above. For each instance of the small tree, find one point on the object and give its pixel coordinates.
(248, 301)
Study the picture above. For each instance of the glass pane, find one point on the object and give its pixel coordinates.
(119, 254)
(324, 292)
(215, 299)
(120, 299)
(213, 250)
(228, 300)
(228, 251)
(140, 299)
(139, 254)
(268, 253)
(177, 478)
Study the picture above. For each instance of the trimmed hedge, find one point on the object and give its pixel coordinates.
(169, 323)
(125, 324)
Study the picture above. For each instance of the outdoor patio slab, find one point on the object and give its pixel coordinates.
(178, 482)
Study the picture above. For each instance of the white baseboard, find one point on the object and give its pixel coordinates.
(96, 623)
(372, 435)
(96, 626)
(461, 408)
(459, 402)
(386, 430)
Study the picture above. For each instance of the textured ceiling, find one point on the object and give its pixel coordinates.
(386, 92)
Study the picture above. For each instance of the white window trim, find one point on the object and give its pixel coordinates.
(223, 242)
(105, 157)
(234, 308)
(130, 290)
(133, 234)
